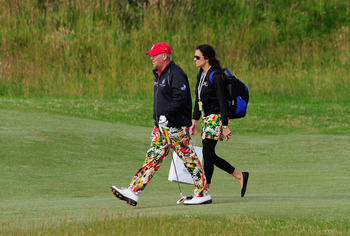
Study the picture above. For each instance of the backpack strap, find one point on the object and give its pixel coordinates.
(228, 72)
(211, 76)
(212, 73)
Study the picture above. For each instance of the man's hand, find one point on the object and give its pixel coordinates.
(163, 122)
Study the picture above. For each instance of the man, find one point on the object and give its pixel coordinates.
(172, 111)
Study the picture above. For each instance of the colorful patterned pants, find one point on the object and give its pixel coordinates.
(159, 149)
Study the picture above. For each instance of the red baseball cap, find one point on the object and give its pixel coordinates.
(159, 48)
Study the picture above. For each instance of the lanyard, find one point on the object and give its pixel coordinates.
(200, 85)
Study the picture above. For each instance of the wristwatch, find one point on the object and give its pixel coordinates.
(225, 127)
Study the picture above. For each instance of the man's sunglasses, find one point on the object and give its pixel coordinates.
(197, 57)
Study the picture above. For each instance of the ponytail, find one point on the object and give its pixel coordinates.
(215, 63)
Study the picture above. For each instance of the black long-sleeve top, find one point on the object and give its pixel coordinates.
(212, 96)
(172, 96)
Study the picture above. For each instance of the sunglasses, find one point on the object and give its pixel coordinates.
(197, 57)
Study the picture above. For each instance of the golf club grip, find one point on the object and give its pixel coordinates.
(167, 135)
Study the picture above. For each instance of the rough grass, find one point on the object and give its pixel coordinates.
(97, 48)
(191, 225)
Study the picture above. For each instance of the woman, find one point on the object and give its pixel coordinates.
(211, 105)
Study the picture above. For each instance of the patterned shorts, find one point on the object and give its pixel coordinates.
(212, 128)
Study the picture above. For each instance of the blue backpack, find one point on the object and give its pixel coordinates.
(237, 95)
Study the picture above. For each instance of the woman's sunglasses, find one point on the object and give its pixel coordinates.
(197, 57)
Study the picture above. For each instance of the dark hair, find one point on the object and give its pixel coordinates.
(209, 53)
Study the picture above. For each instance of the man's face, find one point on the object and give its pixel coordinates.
(158, 60)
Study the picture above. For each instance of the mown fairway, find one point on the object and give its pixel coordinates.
(56, 171)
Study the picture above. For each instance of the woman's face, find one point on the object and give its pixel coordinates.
(199, 59)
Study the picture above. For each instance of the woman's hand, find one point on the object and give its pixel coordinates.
(227, 133)
(193, 128)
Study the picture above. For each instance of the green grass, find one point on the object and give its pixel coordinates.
(97, 49)
(266, 115)
(76, 116)
(195, 225)
(59, 158)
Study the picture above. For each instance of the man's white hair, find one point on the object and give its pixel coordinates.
(169, 56)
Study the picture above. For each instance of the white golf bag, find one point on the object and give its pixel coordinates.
(183, 176)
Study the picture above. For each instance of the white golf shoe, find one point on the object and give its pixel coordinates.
(125, 194)
(197, 200)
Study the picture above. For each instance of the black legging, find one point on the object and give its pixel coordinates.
(211, 159)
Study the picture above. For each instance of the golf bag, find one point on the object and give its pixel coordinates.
(179, 173)
(237, 95)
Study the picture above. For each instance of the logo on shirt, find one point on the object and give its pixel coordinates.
(183, 87)
(163, 83)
